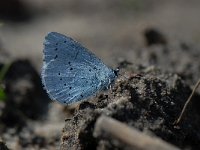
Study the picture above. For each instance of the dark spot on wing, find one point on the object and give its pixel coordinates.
(60, 78)
(70, 87)
(56, 49)
(81, 95)
(65, 84)
(56, 57)
(71, 68)
(59, 73)
(69, 63)
(56, 43)
(65, 41)
(90, 70)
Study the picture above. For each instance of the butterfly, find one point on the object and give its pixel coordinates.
(70, 72)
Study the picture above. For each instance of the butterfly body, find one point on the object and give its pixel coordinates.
(70, 72)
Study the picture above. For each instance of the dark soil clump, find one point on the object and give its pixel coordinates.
(145, 98)
(153, 36)
(26, 103)
(21, 83)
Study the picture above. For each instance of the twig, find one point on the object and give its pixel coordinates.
(134, 139)
(186, 103)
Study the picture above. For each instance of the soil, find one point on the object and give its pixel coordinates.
(147, 99)
(155, 45)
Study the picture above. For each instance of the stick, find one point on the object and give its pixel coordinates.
(186, 104)
(134, 139)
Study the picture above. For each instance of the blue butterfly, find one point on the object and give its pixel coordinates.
(70, 72)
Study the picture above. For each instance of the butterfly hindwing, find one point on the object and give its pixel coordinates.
(68, 84)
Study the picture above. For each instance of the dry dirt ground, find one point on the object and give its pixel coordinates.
(114, 31)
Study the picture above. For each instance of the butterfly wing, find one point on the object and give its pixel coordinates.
(69, 50)
(66, 85)
(70, 71)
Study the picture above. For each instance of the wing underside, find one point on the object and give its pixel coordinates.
(70, 72)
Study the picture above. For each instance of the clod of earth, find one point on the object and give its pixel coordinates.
(145, 98)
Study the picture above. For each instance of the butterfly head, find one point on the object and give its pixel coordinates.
(116, 72)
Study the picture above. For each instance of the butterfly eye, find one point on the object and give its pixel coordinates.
(116, 72)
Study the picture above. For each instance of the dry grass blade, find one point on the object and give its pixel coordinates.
(186, 104)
